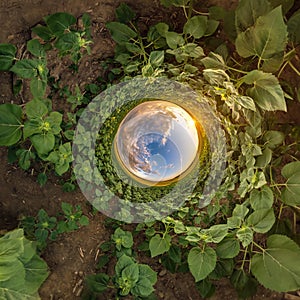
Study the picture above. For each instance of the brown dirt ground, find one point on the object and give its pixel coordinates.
(72, 256)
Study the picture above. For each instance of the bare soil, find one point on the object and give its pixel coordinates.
(74, 255)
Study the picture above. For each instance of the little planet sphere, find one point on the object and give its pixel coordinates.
(157, 141)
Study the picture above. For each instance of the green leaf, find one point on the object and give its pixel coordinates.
(266, 38)
(38, 87)
(174, 39)
(245, 235)
(213, 61)
(124, 13)
(42, 179)
(245, 285)
(228, 248)
(54, 119)
(196, 26)
(36, 272)
(25, 68)
(10, 249)
(273, 138)
(291, 192)
(156, 58)
(10, 124)
(43, 32)
(261, 220)
(246, 102)
(201, 262)
(266, 91)
(216, 233)
(7, 56)
(263, 160)
(159, 245)
(162, 28)
(66, 42)
(35, 109)
(175, 254)
(146, 272)
(205, 288)
(35, 48)
(262, 199)
(123, 262)
(247, 13)
(43, 143)
(122, 238)
(25, 157)
(131, 273)
(97, 283)
(212, 26)
(120, 33)
(240, 211)
(276, 267)
(59, 22)
(142, 288)
(286, 4)
(293, 26)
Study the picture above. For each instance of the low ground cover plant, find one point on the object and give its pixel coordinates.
(235, 59)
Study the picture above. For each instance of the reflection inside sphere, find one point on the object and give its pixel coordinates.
(157, 141)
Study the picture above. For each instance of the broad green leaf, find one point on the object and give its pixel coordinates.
(261, 199)
(24, 158)
(43, 143)
(159, 245)
(228, 248)
(266, 91)
(201, 262)
(246, 102)
(66, 42)
(212, 26)
(156, 58)
(175, 253)
(272, 64)
(120, 33)
(213, 61)
(174, 39)
(59, 22)
(240, 211)
(291, 193)
(131, 273)
(97, 283)
(276, 267)
(43, 32)
(224, 268)
(7, 56)
(32, 127)
(205, 288)
(10, 124)
(245, 235)
(35, 48)
(266, 38)
(162, 28)
(146, 272)
(122, 263)
(273, 138)
(9, 269)
(36, 272)
(25, 68)
(35, 109)
(122, 238)
(285, 4)
(293, 26)
(247, 13)
(261, 220)
(54, 119)
(38, 87)
(245, 285)
(196, 26)
(142, 288)
(124, 13)
(10, 249)
(264, 159)
(215, 234)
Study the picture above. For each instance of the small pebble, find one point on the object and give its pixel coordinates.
(162, 272)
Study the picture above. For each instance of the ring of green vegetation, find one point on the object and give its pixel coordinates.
(120, 184)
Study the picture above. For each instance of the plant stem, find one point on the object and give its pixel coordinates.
(294, 68)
